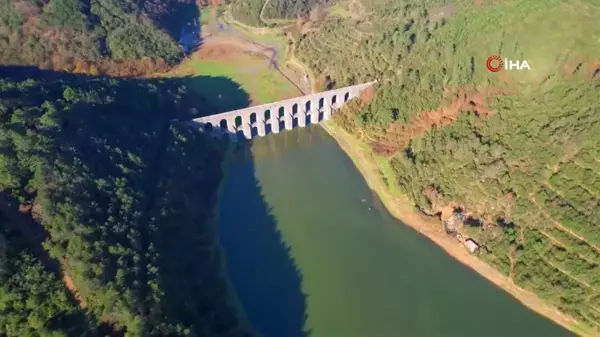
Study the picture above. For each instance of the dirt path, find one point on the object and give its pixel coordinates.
(560, 244)
(232, 32)
(571, 276)
(262, 18)
(559, 225)
(402, 209)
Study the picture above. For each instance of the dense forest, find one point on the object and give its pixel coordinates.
(258, 13)
(33, 302)
(109, 173)
(75, 35)
(517, 151)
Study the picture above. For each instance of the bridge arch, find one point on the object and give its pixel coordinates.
(295, 116)
(309, 113)
(281, 117)
(292, 112)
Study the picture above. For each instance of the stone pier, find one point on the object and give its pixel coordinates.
(319, 106)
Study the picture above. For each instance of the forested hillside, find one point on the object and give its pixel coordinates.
(126, 198)
(33, 302)
(74, 35)
(256, 12)
(517, 151)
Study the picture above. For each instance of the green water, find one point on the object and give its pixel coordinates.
(312, 252)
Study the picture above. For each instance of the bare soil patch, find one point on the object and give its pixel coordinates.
(68, 281)
(444, 11)
(230, 49)
(594, 69)
(399, 134)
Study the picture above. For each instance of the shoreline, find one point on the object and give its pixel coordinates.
(232, 298)
(402, 209)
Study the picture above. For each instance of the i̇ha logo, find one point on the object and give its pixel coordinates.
(495, 64)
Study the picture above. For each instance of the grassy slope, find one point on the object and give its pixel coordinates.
(262, 83)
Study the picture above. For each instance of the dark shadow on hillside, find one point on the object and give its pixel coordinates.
(26, 235)
(208, 94)
(145, 188)
(259, 261)
(222, 93)
(179, 18)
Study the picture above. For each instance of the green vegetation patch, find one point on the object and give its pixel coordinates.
(111, 174)
(263, 83)
(74, 30)
(33, 301)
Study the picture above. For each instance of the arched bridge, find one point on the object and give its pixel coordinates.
(276, 116)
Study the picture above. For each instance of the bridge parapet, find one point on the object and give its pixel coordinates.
(276, 116)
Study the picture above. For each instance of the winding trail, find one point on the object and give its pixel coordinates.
(262, 18)
(229, 26)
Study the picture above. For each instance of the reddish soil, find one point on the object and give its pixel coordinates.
(399, 134)
(226, 51)
(594, 69)
(222, 52)
(224, 48)
(368, 95)
(73, 289)
(590, 66)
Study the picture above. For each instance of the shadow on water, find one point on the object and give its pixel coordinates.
(117, 138)
(260, 266)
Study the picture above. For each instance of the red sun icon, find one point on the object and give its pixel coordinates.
(491, 60)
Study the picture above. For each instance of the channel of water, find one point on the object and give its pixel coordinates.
(311, 251)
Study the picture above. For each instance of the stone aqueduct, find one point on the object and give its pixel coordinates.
(273, 117)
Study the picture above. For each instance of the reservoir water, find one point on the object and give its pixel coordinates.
(311, 252)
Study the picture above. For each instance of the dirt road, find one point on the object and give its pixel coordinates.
(221, 32)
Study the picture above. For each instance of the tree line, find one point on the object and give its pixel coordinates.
(63, 34)
(126, 197)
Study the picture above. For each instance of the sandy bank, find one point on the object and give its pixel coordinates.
(402, 209)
